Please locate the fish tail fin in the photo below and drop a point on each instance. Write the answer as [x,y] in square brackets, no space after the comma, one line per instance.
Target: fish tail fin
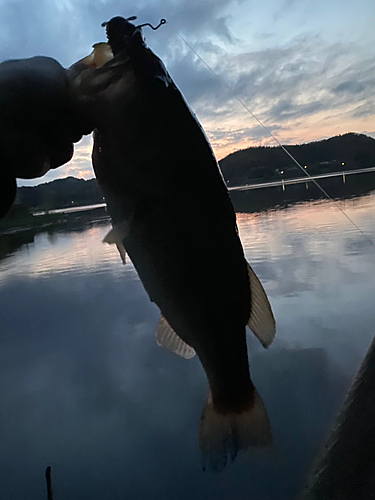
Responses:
[222,435]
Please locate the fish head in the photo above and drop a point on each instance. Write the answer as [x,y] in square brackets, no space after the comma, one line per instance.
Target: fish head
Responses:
[122,34]
[107,76]
[101,77]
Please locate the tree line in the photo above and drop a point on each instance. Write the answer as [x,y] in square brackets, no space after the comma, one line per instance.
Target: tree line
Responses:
[256,164]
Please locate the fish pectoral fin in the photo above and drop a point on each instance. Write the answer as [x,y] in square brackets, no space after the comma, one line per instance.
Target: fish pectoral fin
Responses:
[113,238]
[168,338]
[261,321]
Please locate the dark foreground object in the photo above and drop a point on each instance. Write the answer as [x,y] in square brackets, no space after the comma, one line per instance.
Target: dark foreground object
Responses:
[40,120]
[346,468]
[48,481]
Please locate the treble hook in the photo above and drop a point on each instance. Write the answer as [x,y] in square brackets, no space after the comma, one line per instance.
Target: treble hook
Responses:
[162,21]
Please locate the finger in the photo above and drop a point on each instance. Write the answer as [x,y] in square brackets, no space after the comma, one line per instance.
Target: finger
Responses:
[26,155]
[39,117]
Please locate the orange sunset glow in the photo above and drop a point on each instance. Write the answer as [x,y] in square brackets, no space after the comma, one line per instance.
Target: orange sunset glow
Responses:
[305,76]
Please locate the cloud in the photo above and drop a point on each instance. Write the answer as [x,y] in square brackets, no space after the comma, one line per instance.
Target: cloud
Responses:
[61,29]
[226,141]
[351,87]
[80,166]
[290,88]
[301,84]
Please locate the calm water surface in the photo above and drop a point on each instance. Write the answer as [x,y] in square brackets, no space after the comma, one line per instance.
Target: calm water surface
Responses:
[85,388]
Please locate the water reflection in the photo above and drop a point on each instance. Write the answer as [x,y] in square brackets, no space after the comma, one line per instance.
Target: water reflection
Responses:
[73,253]
[85,388]
[9,243]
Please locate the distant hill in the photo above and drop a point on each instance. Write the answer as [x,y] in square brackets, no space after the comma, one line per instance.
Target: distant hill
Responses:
[262,164]
[61,193]
[250,165]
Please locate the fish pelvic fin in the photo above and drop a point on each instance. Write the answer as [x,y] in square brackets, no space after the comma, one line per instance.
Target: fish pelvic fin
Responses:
[166,337]
[261,321]
[222,435]
[113,238]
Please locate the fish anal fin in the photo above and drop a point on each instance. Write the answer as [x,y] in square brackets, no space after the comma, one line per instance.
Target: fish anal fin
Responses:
[166,337]
[261,321]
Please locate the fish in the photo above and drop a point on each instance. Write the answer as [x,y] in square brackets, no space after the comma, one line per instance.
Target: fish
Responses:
[172,214]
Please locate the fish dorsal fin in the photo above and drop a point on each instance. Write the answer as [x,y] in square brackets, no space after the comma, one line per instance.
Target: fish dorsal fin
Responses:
[261,321]
[113,238]
[168,338]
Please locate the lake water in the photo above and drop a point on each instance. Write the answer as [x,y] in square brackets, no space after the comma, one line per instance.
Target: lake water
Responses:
[85,388]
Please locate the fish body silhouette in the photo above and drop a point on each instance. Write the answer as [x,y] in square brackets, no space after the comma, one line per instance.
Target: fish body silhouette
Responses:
[172,214]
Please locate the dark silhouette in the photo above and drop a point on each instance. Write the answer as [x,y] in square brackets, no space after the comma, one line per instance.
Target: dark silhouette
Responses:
[48,481]
[345,469]
[40,119]
[172,213]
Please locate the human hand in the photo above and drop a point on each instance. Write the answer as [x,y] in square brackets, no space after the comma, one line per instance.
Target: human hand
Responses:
[40,120]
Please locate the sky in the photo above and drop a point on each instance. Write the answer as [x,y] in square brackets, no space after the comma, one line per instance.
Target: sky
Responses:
[306,69]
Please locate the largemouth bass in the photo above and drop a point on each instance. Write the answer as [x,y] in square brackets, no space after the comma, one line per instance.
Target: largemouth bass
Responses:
[172,214]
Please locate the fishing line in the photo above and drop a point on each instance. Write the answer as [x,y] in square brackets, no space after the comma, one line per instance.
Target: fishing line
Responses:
[281,146]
